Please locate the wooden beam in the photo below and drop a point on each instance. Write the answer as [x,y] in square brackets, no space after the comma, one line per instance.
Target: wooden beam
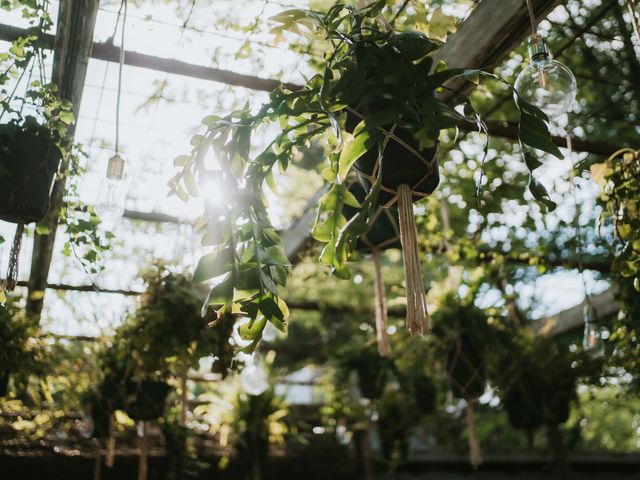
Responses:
[76,22]
[492,31]
[605,304]
[111,53]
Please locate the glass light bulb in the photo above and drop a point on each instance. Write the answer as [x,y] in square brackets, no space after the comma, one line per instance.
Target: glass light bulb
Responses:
[112,193]
[592,339]
[253,380]
[546,83]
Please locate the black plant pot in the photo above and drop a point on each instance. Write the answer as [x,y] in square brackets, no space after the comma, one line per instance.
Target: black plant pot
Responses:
[399,164]
[145,400]
[29,160]
[426,395]
[524,404]
[4,383]
[372,372]
[558,396]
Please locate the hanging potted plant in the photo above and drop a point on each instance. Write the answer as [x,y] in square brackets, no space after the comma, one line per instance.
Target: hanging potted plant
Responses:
[34,133]
[371,369]
[464,336]
[376,106]
[537,381]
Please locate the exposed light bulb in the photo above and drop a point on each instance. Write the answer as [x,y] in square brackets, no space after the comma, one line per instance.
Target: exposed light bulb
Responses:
[546,83]
[112,194]
[592,340]
[253,379]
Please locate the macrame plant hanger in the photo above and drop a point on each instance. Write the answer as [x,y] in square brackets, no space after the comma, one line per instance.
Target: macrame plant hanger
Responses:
[475,453]
[376,250]
[417,319]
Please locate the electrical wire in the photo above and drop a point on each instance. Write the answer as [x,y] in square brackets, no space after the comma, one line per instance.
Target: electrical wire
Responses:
[120,69]
[532,17]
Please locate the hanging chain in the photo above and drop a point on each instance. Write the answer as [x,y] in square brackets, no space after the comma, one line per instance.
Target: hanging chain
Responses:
[120,68]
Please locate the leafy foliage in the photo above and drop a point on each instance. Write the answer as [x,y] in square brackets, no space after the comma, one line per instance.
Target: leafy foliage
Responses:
[381,78]
[22,351]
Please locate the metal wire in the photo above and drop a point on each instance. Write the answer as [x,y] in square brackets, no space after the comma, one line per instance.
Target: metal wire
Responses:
[532,17]
[120,69]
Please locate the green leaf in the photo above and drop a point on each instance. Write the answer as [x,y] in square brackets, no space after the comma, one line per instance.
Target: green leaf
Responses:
[252,330]
[531,160]
[67,117]
[540,193]
[534,133]
[360,143]
[213,265]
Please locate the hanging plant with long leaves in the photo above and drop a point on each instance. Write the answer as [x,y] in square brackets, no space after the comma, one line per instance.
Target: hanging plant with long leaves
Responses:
[377,107]
[37,146]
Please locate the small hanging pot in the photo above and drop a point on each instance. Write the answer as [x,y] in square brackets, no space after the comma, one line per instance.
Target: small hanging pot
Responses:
[466,372]
[426,394]
[29,160]
[145,399]
[524,403]
[407,173]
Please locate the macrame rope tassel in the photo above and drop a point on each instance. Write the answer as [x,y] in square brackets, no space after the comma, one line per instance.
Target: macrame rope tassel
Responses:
[417,315]
[384,348]
[9,283]
[475,455]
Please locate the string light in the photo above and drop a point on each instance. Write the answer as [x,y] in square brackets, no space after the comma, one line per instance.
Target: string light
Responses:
[112,193]
[545,82]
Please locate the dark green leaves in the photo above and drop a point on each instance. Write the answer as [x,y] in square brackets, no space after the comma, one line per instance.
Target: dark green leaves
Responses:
[533,130]
[540,193]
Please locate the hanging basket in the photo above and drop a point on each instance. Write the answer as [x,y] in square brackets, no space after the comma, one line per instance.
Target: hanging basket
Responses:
[29,160]
[466,373]
[557,402]
[524,403]
[402,161]
[145,399]
[372,371]
[426,395]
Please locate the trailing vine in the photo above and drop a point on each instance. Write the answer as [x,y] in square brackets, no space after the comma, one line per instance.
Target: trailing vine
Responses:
[393,73]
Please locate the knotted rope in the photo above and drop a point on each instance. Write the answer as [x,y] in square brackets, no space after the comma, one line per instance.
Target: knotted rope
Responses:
[384,348]
[417,316]
[475,455]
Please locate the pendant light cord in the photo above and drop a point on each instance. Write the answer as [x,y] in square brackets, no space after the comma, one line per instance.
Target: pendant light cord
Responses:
[532,17]
[577,227]
[123,5]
